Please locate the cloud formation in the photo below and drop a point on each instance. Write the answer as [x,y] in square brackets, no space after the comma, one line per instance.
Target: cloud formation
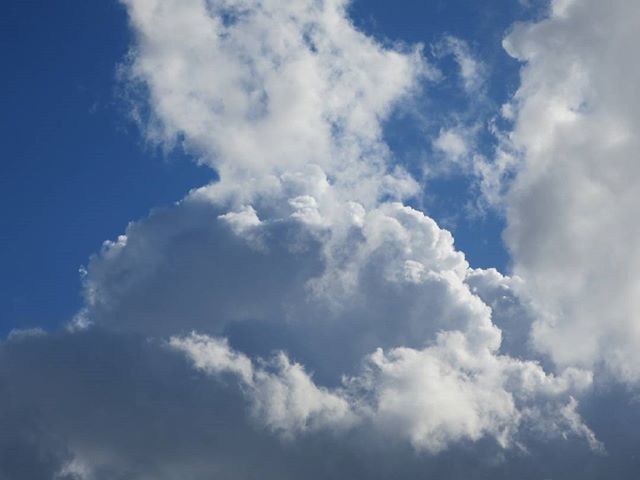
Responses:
[298,318]
[261,89]
[572,208]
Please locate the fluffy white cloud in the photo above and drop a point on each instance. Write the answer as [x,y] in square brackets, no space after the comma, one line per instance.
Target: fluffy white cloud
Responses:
[265,88]
[572,210]
[287,101]
[450,391]
[452,143]
[384,285]
[431,397]
[388,342]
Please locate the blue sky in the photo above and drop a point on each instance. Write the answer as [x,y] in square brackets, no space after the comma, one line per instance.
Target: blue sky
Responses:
[319,239]
[74,170]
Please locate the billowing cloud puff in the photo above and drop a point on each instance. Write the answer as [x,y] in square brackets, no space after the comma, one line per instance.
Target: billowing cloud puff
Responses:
[392,300]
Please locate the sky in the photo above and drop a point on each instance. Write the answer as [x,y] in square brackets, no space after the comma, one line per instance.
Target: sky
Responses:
[319,239]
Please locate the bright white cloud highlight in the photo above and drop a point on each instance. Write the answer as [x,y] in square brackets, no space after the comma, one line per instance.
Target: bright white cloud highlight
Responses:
[430,397]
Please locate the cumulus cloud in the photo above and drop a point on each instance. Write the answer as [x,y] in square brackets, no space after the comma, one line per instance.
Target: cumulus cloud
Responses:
[431,397]
[296,319]
[571,210]
[305,255]
[387,288]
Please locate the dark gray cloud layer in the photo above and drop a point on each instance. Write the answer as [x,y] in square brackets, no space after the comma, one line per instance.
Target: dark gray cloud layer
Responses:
[137,410]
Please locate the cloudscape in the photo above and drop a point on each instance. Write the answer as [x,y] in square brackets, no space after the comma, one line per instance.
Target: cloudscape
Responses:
[371,240]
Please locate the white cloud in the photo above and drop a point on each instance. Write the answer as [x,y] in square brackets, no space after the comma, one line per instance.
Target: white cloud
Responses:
[432,397]
[305,247]
[452,144]
[286,400]
[471,70]
[287,102]
[572,208]
[273,89]
[390,282]
[451,391]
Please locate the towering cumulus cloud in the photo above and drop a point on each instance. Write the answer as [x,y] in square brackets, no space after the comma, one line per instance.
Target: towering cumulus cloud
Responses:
[574,206]
[297,318]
